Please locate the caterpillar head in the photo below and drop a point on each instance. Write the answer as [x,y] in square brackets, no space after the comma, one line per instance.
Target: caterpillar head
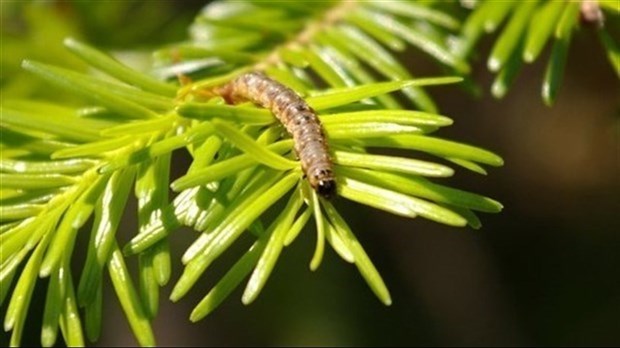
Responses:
[323,182]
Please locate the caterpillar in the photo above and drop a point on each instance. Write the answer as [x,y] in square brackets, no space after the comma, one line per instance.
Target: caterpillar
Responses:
[299,119]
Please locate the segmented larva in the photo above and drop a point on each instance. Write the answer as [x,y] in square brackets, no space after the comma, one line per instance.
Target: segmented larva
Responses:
[300,120]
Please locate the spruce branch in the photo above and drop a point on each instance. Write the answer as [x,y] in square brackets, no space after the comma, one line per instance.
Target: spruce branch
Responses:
[63,165]
[530,25]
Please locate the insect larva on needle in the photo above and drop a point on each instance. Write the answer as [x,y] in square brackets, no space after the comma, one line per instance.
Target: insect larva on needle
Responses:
[300,120]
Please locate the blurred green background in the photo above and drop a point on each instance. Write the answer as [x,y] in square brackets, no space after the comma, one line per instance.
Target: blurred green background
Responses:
[545,271]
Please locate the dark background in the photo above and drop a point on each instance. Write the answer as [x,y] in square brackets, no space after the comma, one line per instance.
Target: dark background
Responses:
[545,271]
